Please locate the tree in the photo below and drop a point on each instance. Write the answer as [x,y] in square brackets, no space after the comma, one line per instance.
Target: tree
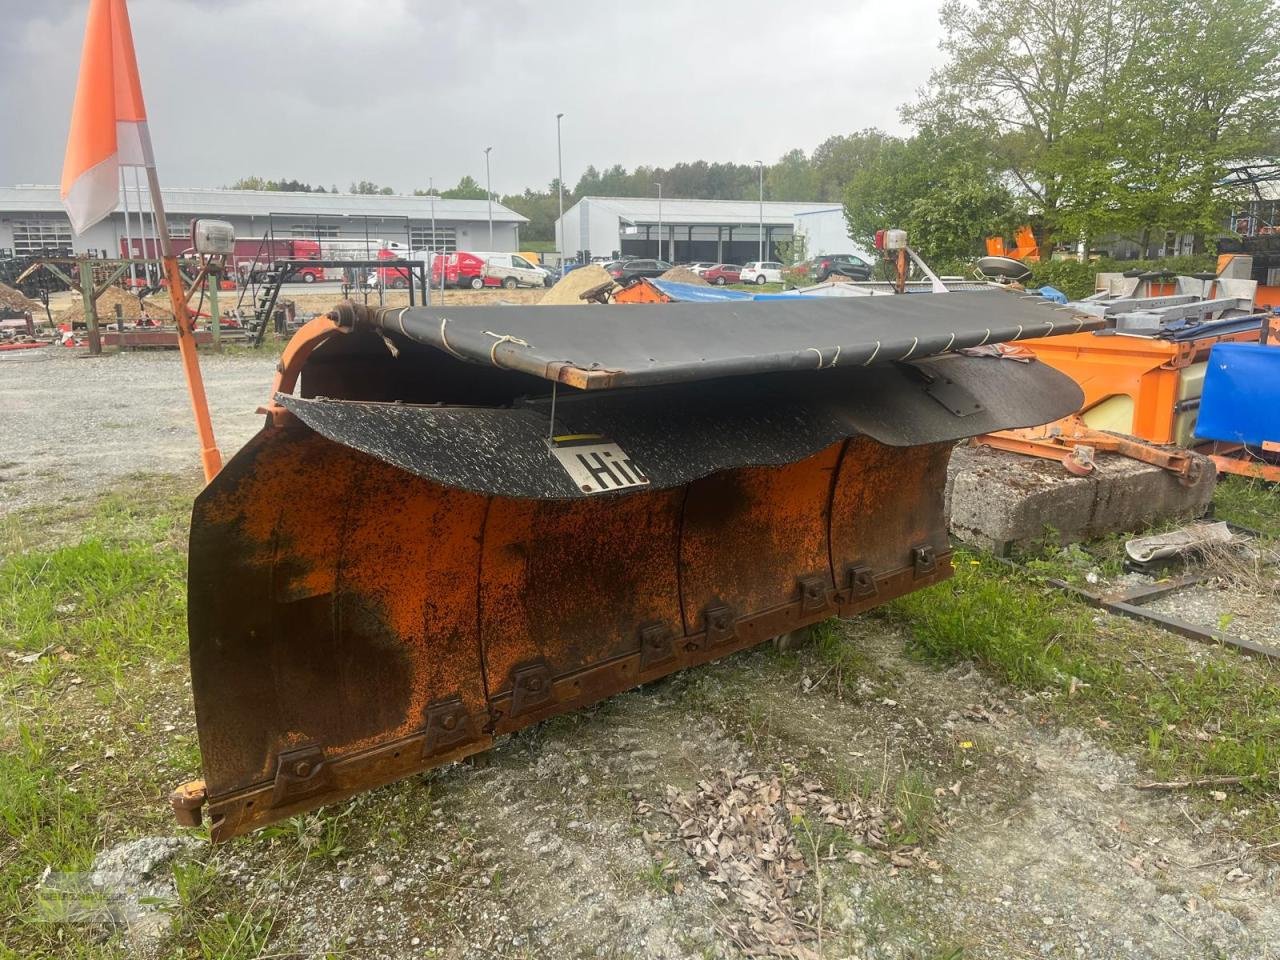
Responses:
[368,187]
[838,159]
[1032,76]
[467,189]
[541,207]
[258,183]
[792,177]
[1199,94]
[938,185]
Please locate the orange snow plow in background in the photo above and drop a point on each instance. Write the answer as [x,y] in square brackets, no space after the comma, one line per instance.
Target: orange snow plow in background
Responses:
[466,522]
[1024,248]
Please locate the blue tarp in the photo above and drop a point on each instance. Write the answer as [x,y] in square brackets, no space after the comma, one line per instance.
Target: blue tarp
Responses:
[1241,394]
[1192,329]
[698,293]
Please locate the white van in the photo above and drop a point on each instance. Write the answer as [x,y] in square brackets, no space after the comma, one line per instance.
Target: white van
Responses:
[513,270]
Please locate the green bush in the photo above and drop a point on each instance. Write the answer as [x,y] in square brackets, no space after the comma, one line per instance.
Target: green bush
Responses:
[1075,279]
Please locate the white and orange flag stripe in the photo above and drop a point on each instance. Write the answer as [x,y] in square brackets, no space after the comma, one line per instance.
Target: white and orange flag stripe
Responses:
[109,119]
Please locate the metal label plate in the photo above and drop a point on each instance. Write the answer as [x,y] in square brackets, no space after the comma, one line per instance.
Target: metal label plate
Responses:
[597,466]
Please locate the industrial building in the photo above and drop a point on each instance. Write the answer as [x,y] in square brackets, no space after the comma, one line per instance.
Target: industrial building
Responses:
[32,220]
[726,231]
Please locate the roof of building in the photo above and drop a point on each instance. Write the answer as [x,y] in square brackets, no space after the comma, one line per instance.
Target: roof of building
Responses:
[677,210]
[214,201]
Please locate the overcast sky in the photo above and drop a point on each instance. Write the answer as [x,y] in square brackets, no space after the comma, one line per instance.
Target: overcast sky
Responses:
[331,91]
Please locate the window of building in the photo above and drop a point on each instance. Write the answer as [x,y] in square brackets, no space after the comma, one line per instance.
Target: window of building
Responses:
[41,235]
[180,229]
[444,241]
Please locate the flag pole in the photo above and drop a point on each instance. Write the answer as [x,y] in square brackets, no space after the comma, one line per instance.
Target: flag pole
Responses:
[210,456]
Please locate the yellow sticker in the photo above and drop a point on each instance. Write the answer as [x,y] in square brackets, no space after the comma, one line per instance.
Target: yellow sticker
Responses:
[966,744]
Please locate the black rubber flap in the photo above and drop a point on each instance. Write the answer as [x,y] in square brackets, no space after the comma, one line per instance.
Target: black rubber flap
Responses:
[680,433]
[648,344]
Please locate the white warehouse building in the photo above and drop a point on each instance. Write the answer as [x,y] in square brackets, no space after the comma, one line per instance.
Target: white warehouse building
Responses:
[723,231]
[32,220]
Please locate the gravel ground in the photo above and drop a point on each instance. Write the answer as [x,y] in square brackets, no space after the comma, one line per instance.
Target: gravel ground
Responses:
[558,845]
[553,848]
[1235,610]
[73,423]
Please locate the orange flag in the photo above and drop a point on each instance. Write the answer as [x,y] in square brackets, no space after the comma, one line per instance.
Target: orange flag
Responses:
[109,119]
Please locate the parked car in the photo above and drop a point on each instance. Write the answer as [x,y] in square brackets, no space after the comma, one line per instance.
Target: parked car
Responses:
[464,270]
[512,270]
[700,266]
[722,273]
[626,271]
[823,268]
[762,271]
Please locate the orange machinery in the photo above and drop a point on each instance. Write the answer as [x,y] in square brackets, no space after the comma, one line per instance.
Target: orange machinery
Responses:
[1024,246]
[1140,387]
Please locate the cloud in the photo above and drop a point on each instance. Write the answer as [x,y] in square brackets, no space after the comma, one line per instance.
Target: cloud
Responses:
[398,92]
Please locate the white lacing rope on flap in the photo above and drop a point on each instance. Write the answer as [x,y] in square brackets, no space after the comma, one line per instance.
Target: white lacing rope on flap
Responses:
[444,341]
[915,342]
[498,340]
[867,362]
[821,363]
[400,319]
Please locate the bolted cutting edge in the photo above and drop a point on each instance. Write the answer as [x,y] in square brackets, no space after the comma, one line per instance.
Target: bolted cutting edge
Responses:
[187,801]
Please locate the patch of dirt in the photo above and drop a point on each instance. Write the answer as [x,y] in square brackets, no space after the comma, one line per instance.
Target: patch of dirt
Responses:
[131,307]
[17,300]
[1035,844]
[569,289]
[309,304]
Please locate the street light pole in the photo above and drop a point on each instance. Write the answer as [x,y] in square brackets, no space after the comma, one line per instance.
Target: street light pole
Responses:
[488,193]
[659,186]
[560,191]
[760,164]
[431,255]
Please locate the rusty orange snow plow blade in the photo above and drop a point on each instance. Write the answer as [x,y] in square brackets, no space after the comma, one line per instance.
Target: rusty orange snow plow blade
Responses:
[467,522]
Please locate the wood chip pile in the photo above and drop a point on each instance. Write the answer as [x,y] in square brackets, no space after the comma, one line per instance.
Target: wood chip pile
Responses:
[684,275]
[569,289]
[741,831]
[16,300]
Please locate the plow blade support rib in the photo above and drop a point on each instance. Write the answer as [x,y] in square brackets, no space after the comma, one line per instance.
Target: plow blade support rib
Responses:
[399,567]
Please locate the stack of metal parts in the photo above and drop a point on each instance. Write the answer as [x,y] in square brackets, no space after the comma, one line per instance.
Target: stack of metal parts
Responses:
[1201,306]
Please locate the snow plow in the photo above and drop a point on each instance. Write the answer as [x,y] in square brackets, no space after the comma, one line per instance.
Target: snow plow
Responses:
[467,522]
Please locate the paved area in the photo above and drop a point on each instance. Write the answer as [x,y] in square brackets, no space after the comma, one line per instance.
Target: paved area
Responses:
[71,424]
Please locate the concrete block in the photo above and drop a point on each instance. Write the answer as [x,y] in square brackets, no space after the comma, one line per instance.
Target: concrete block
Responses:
[998,500]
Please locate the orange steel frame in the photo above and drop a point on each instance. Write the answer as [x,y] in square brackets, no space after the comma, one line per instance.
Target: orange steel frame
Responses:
[1146,371]
[1074,444]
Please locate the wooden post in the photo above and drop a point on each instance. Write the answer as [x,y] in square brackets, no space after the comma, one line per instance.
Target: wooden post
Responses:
[90,307]
[120,327]
[212,279]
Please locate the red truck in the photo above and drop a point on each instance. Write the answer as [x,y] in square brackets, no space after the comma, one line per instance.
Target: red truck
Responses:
[267,252]
[242,261]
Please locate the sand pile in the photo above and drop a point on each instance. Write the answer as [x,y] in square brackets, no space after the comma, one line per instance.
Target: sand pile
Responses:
[107,300]
[683,275]
[16,300]
[573,284]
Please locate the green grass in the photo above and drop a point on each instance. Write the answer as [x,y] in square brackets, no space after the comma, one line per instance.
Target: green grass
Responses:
[1250,503]
[1194,711]
[93,594]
